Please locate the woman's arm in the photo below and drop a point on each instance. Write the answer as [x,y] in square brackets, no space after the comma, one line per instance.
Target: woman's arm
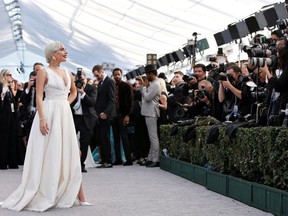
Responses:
[40,83]
[163,100]
[41,80]
[73,91]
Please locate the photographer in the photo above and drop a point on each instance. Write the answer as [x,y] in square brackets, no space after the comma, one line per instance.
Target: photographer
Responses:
[234,94]
[279,84]
[198,75]
[203,101]
[84,113]
[28,108]
[178,94]
[259,91]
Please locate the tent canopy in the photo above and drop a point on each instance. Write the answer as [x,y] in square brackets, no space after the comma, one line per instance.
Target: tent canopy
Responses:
[116,32]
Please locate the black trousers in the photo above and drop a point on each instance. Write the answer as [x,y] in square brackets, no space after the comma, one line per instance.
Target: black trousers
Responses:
[8,146]
[85,136]
[120,133]
[103,137]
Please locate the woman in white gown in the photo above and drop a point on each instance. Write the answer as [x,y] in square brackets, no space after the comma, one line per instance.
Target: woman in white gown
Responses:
[52,171]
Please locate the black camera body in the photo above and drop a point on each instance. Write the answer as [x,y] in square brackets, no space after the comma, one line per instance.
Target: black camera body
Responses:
[190,77]
[78,79]
[180,111]
[202,93]
[221,76]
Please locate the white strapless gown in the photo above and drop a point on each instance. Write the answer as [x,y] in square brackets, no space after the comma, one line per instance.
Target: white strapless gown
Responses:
[52,171]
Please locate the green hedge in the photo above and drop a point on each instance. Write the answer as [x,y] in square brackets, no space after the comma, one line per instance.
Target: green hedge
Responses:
[258,154]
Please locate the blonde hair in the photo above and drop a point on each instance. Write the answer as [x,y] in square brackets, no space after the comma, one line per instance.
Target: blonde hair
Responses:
[2,76]
[162,85]
[208,85]
[50,48]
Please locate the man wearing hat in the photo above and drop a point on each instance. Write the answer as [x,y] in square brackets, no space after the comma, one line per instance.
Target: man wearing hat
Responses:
[150,110]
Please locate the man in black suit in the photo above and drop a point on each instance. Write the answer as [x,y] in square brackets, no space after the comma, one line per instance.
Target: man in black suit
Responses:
[28,101]
[84,113]
[123,109]
[104,106]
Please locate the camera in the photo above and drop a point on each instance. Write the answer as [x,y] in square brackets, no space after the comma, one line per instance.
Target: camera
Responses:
[260,62]
[189,78]
[213,59]
[201,93]
[282,24]
[180,111]
[78,79]
[263,51]
[221,76]
[260,94]
[260,50]
[242,78]
[262,47]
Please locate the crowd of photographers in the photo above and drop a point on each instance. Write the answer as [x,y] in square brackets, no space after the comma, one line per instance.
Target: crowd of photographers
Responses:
[254,90]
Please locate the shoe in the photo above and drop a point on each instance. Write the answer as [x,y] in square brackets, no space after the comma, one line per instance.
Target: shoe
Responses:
[3,167]
[117,163]
[140,160]
[13,167]
[84,203]
[145,163]
[83,170]
[153,164]
[128,163]
[105,165]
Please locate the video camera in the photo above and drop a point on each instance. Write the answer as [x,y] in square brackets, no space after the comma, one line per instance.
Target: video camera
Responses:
[78,79]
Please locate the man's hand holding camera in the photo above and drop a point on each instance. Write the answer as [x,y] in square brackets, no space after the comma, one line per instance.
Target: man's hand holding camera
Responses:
[192,80]
[31,84]
[226,83]
[81,90]
[202,97]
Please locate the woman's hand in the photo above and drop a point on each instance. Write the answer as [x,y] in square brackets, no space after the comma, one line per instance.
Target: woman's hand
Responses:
[43,127]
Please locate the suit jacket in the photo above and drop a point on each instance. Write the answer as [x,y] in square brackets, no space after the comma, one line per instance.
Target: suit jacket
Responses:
[25,99]
[105,97]
[88,103]
[151,95]
[125,97]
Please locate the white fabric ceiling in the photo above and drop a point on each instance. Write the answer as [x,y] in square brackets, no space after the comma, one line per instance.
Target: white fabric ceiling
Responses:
[120,32]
